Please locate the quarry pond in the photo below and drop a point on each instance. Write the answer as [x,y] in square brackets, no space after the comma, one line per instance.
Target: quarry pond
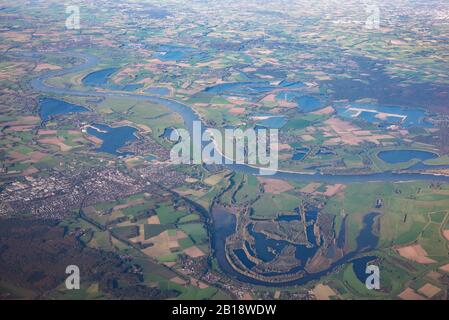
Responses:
[224,226]
[112,138]
[49,107]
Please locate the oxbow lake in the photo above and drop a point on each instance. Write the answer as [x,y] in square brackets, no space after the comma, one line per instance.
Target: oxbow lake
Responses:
[113,138]
[400,156]
[101,78]
[49,107]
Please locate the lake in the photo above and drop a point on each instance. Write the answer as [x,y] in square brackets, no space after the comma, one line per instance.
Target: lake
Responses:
[309,103]
[299,156]
[295,217]
[167,133]
[400,156]
[49,107]
[406,117]
[359,267]
[98,78]
[311,215]
[366,238]
[240,253]
[300,153]
[256,88]
[305,103]
[275,122]
[266,248]
[224,225]
[169,52]
[39,84]
[227,223]
[113,138]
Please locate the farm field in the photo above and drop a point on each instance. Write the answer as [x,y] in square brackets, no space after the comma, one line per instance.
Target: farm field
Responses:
[134,137]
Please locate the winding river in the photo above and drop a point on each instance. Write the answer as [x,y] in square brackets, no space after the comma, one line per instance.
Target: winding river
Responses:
[189,116]
[224,226]
[224,222]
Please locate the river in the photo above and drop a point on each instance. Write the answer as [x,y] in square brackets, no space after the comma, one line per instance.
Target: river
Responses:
[189,116]
[224,222]
[225,225]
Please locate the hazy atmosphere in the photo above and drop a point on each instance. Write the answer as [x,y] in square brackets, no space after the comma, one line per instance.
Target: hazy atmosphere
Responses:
[224,150]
